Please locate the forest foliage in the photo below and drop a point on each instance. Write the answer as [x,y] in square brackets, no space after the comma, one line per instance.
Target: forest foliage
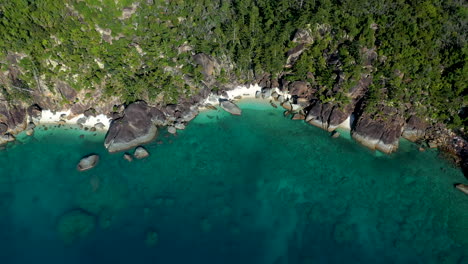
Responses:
[421,46]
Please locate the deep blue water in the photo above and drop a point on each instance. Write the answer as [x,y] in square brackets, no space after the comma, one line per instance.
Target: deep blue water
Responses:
[257,188]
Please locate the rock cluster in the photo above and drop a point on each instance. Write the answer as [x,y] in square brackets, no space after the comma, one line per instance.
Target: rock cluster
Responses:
[134,128]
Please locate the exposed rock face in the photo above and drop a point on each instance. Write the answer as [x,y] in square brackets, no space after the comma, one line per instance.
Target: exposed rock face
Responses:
[78,108]
[14,117]
[326,116]
[294,54]
[230,107]
[382,135]
[133,129]
[300,89]
[3,128]
[208,64]
[88,163]
[35,113]
[157,116]
[90,112]
[66,91]
[414,129]
[303,36]
[140,153]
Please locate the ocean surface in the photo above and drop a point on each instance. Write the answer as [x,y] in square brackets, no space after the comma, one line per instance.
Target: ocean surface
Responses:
[257,188]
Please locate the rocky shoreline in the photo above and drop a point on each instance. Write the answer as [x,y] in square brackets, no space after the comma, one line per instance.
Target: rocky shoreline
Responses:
[137,123]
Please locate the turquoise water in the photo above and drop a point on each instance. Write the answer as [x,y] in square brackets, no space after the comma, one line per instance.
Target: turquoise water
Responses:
[257,188]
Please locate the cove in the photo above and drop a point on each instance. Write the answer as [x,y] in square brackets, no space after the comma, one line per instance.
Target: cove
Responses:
[257,188]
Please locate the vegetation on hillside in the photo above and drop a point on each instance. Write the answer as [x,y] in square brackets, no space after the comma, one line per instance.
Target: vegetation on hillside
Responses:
[130,47]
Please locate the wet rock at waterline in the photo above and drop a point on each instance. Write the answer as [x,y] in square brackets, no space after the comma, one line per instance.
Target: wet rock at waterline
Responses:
[133,129]
[140,153]
[462,187]
[88,162]
[230,107]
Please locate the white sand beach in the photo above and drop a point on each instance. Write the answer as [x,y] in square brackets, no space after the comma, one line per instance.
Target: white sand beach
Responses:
[48,117]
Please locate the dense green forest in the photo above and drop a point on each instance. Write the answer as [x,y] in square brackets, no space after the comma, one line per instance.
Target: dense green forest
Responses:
[132,48]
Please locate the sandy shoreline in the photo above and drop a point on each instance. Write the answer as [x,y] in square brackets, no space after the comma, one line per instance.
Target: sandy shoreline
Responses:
[248,92]
[238,94]
[48,117]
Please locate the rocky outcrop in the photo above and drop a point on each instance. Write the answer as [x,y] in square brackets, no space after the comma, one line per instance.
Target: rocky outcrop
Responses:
[414,129]
[134,128]
[326,116]
[14,117]
[3,128]
[88,163]
[208,64]
[301,89]
[230,107]
[378,134]
[90,112]
[140,153]
[66,91]
[303,36]
[294,54]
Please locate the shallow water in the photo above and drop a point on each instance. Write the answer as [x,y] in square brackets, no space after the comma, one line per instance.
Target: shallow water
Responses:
[256,188]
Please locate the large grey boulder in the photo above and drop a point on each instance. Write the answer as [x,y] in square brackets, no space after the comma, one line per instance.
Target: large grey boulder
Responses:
[208,64]
[230,107]
[377,133]
[66,90]
[88,163]
[134,128]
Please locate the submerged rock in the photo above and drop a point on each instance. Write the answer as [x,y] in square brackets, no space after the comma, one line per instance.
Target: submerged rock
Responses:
[230,107]
[128,157]
[88,162]
[134,128]
[152,238]
[140,153]
[75,225]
